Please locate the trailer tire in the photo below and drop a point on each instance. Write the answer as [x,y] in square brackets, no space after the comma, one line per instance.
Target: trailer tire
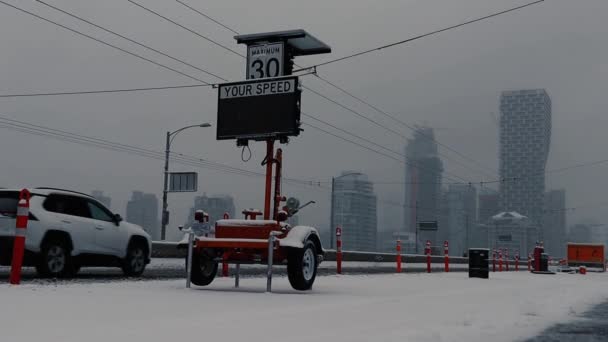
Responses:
[203,269]
[302,266]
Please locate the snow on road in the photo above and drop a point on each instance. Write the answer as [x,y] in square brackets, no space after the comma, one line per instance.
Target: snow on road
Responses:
[406,307]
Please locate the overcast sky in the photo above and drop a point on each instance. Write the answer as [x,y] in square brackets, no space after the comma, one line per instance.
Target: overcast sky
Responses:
[451,81]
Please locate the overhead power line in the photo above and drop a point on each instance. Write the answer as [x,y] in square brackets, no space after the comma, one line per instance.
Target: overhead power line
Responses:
[375,108]
[121,36]
[186,28]
[130,40]
[421,36]
[101,41]
[206,16]
[25,127]
[105,91]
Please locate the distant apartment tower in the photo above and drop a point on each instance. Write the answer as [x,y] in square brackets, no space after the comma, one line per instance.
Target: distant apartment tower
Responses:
[554,223]
[525,136]
[215,206]
[105,200]
[355,211]
[459,217]
[142,209]
[423,174]
[488,204]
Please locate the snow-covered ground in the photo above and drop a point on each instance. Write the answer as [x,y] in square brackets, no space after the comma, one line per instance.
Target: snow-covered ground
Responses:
[405,307]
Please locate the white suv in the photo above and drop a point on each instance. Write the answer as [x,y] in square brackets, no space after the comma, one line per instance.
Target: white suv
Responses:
[67,230]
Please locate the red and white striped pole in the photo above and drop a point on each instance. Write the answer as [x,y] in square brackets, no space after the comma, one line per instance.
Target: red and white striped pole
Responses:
[427,251]
[398,255]
[225,269]
[23,212]
[339,250]
[446,256]
[500,260]
[507,259]
[494,260]
[517,261]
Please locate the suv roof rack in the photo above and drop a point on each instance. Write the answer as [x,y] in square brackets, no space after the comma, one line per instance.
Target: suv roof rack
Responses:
[66,190]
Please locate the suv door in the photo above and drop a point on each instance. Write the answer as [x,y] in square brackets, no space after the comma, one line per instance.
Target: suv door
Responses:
[73,216]
[110,237]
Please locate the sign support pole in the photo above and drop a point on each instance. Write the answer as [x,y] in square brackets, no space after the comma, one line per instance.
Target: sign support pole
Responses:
[269,161]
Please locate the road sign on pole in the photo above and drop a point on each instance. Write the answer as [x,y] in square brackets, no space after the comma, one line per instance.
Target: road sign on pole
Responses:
[183,182]
[265,60]
[427,225]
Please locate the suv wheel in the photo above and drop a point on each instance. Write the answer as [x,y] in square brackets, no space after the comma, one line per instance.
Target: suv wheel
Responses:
[55,259]
[135,261]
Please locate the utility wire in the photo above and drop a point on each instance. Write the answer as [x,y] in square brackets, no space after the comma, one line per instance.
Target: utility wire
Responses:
[421,36]
[412,128]
[375,108]
[185,28]
[105,91]
[23,126]
[406,162]
[89,22]
[130,40]
[206,16]
[102,42]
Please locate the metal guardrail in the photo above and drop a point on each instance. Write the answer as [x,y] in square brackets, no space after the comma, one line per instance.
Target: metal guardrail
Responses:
[161,249]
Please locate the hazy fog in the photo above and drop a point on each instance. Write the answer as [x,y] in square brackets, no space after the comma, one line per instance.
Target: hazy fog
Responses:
[451,81]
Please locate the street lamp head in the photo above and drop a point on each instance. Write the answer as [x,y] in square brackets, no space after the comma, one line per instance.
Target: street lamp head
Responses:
[206,124]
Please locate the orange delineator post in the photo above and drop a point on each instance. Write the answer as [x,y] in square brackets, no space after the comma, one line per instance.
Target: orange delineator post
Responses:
[507,259]
[499,260]
[427,250]
[23,211]
[446,256]
[338,250]
[398,255]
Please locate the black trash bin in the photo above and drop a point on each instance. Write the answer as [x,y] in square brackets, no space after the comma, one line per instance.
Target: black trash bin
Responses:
[479,266]
[544,262]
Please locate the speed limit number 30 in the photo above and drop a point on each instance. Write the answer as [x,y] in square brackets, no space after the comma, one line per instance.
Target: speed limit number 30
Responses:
[265,60]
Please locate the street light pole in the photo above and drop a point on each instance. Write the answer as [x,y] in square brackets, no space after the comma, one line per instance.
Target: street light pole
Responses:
[331,219]
[169,140]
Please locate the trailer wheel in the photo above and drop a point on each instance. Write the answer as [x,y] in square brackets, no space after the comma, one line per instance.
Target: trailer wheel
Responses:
[302,266]
[203,269]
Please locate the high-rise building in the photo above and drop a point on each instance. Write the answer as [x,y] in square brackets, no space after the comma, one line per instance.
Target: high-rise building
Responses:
[354,210]
[142,210]
[215,206]
[423,174]
[459,217]
[525,135]
[554,223]
[105,200]
[488,204]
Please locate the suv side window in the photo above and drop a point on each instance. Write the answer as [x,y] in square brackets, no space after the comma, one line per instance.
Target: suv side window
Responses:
[68,205]
[99,213]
